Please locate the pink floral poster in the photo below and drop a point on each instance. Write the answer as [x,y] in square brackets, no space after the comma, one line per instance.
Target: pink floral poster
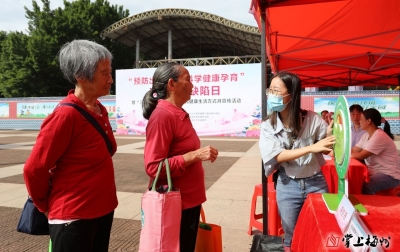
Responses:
[225,100]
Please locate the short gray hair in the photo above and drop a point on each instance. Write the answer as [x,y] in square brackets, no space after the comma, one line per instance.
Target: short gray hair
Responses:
[79,59]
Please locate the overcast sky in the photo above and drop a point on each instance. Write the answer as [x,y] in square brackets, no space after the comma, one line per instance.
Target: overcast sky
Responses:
[12,12]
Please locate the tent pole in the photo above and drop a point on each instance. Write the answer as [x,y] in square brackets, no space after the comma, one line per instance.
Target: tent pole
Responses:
[349,77]
[264,112]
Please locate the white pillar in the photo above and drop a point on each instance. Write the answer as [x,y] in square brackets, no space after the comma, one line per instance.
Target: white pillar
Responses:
[355,88]
[169,45]
[137,53]
[311,89]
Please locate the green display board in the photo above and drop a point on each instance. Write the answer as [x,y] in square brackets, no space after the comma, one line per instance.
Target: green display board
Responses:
[342,147]
[342,153]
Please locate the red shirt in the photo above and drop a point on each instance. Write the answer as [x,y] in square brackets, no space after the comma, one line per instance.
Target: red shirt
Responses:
[170,134]
[82,172]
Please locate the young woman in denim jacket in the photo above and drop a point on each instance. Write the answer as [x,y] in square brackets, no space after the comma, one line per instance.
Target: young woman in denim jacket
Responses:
[292,142]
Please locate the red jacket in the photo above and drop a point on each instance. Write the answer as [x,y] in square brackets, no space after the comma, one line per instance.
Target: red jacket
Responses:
[170,134]
[70,172]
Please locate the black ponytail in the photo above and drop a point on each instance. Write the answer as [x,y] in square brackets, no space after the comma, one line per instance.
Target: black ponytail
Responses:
[158,91]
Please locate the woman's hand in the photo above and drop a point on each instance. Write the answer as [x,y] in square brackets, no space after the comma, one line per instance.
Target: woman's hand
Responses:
[324,145]
[202,154]
[207,153]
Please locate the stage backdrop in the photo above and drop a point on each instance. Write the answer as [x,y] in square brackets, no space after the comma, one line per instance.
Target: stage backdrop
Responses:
[387,106]
[225,100]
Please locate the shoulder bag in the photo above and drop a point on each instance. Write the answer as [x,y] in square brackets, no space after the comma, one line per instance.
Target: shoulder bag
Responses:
[34,222]
[161,216]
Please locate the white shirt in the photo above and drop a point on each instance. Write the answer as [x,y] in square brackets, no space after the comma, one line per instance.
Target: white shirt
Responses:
[274,141]
[356,135]
[385,158]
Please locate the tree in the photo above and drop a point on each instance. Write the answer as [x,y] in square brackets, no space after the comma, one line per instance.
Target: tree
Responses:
[48,31]
[15,68]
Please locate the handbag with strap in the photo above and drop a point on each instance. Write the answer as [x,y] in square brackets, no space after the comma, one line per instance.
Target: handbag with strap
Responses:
[32,221]
[93,121]
[161,216]
[209,236]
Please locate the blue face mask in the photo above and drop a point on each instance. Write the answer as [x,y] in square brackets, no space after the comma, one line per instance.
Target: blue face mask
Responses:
[275,103]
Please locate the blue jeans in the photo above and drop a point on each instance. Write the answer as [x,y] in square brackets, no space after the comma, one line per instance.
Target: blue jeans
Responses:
[291,195]
[379,182]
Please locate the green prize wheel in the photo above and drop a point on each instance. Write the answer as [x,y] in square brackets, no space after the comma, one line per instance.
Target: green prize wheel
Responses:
[342,133]
[342,151]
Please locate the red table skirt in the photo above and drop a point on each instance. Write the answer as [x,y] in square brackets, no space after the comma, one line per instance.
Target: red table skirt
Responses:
[316,226]
[356,174]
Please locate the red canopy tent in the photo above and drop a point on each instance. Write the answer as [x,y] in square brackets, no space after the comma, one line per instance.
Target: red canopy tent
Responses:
[329,43]
[333,43]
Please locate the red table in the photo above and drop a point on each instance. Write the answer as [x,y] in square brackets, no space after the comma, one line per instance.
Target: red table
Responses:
[357,174]
[315,225]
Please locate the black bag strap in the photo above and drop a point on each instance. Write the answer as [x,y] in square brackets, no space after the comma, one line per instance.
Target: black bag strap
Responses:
[93,121]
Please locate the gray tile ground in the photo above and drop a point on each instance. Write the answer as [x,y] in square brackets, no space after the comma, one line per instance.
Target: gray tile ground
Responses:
[130,177]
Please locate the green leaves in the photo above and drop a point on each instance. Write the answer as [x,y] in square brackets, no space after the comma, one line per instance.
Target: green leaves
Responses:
[29,63]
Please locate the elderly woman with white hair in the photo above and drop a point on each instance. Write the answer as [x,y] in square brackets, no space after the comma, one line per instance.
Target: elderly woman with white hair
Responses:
[70,173]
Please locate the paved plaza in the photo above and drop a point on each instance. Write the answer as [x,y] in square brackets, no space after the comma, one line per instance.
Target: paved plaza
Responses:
[229,182]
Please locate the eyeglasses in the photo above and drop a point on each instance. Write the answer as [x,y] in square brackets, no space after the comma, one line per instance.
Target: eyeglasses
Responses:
[269,91]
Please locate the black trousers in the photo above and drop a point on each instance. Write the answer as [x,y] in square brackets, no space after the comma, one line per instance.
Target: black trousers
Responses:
[189,226]
[82,235]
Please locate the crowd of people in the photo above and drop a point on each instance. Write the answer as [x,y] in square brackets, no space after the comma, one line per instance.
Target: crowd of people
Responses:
[293,141]
[70,173]
[373,145]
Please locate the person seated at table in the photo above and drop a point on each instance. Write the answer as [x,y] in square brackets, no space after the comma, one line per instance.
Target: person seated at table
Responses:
[379,152]
[386,128]
[329,118]
[356,131]
[324,113]
[292,142]
[326,116]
